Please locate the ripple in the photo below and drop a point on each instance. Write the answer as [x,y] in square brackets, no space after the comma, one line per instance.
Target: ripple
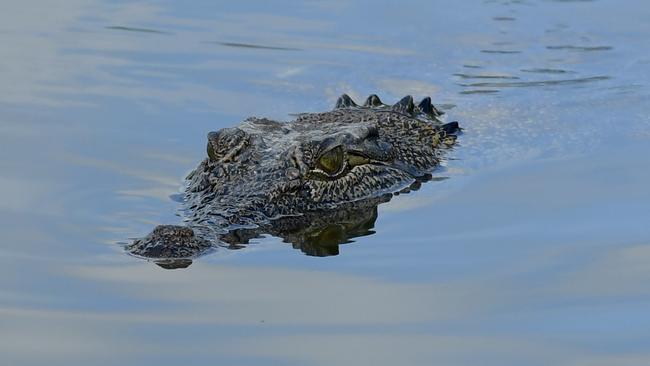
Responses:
[626,89]
[255,46]
[479,91]
[469,76]
[133,29]
[446,106]
[504,19]
[547,71]
[516,84]
[580,48]
[500,51]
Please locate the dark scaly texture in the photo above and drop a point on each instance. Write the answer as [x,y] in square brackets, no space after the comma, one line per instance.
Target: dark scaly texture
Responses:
[298,178]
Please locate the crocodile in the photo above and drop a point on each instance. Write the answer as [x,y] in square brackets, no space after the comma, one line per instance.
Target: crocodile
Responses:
[315,181]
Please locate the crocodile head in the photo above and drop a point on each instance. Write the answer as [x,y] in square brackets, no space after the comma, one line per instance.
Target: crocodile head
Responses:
[264,170]
[317,161]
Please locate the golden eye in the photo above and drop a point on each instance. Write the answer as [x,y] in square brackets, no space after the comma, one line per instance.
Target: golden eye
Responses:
[331,162]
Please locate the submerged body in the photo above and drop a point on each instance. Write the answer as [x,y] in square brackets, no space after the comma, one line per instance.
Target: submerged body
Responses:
[280,178]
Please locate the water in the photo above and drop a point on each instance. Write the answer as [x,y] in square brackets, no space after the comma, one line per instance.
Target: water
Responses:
[534,251]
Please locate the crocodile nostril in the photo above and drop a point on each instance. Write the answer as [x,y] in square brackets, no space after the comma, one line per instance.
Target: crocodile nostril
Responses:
[173,231]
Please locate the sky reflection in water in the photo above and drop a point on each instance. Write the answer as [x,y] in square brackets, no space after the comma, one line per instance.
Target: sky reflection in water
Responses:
[536,250]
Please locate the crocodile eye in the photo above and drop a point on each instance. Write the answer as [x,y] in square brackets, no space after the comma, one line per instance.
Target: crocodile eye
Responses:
[331,162]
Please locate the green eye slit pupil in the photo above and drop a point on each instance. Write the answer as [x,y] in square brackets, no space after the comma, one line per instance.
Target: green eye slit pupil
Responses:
[331,162]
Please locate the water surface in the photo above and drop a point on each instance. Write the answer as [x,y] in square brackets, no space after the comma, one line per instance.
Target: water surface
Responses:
[534,251]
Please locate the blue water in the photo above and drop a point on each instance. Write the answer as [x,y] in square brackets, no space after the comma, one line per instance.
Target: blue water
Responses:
[534,251]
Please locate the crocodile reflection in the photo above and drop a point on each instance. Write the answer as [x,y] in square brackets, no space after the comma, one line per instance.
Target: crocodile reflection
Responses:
[314,234]
[315,182]
[317,235]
